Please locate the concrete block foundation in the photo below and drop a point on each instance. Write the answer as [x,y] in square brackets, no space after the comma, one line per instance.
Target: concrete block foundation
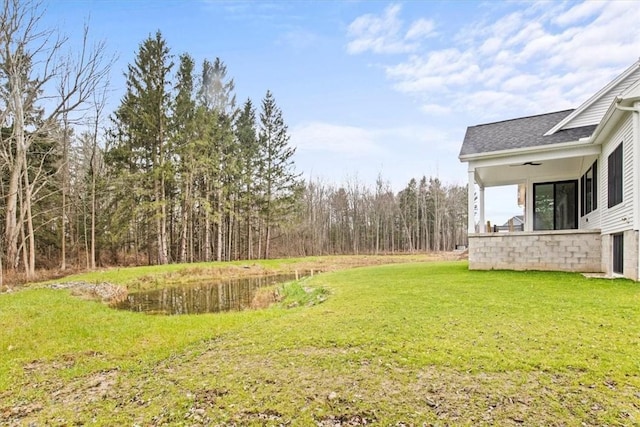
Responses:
[559,250]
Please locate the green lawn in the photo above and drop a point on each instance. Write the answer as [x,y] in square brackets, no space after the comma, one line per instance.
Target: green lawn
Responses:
[392,345]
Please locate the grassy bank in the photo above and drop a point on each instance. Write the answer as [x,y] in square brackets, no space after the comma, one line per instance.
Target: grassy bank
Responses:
[392,345]
[148,277]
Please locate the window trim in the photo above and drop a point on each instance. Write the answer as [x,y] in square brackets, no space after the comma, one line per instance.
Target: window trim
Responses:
[592,195]
[615,178]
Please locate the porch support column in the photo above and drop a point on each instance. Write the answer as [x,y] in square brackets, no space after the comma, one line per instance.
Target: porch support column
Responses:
[483,223]
[471,190]
[528,206]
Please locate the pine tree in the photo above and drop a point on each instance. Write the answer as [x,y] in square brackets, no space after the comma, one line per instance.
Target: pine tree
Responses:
[183,135]
[216,109]
[142,121]
[279,184]
[247,139]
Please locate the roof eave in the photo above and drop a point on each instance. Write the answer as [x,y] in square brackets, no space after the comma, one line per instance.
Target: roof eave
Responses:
[524,151]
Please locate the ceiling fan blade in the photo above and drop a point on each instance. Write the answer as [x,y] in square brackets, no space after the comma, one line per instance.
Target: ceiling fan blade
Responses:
[527,164]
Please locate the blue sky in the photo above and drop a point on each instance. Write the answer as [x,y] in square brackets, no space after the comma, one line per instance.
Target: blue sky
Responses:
[373,87]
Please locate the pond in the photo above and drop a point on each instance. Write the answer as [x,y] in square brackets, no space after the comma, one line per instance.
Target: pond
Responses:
[201,297]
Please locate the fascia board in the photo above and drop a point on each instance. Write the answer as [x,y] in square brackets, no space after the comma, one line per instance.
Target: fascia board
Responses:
[605,123]
[632,92]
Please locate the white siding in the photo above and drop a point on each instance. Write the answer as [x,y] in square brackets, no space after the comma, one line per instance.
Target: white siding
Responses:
[594,113]
[591,221]
[619,217]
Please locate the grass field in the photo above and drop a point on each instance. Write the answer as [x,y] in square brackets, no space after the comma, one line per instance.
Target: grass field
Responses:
[409,344]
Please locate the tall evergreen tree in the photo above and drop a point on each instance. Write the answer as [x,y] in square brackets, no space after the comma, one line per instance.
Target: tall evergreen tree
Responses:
[183,133]
[216,108]
[142,120]
[279,183]
[247,139]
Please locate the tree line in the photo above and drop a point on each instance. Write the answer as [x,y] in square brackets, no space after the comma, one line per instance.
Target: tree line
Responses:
[355,218]
[178,172]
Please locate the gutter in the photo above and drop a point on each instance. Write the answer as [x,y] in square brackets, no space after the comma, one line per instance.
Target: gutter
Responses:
[632,109]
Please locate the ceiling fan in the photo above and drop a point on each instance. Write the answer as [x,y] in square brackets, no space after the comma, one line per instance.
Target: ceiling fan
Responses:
[528,164]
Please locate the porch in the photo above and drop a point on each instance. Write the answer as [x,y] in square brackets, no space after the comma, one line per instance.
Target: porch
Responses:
[552,250]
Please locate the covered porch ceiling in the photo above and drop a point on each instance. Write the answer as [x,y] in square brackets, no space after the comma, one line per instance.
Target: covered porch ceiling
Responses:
[542,166]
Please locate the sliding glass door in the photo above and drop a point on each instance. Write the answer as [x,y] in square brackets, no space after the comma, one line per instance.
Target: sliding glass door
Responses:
[555,205]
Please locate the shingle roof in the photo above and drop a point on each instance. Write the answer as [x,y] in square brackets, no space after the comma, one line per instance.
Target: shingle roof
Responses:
[523,132]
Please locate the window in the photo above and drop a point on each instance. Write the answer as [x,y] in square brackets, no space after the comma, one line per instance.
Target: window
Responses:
[555,205]
[615,176]
[588,191]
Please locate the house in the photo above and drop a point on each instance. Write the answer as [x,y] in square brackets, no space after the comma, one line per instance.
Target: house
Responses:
[580,171]
[516,221]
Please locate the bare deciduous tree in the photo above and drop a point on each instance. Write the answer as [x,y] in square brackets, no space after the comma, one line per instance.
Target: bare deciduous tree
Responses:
[32,65]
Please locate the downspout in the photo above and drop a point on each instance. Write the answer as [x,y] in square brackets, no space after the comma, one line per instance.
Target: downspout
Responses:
[635,110]
[636,154]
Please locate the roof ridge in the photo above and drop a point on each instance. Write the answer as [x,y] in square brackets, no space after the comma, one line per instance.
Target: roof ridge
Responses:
[524,117]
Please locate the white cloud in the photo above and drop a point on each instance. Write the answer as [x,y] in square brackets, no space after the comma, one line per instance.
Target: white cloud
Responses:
[327,150]
[541,57]
[522,83]
[491,45]
[385,33]
[345,140]
[361,142]
[421,28]
[380,34]
[495,105]
[435,71]
[435,109]
[579,12]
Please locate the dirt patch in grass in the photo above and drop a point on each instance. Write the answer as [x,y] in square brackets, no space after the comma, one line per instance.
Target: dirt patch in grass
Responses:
[79,393]
[105,292]
[346,420]
[84,391]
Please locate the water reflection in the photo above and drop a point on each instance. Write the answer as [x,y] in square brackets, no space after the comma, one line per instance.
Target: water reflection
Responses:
[229,295]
